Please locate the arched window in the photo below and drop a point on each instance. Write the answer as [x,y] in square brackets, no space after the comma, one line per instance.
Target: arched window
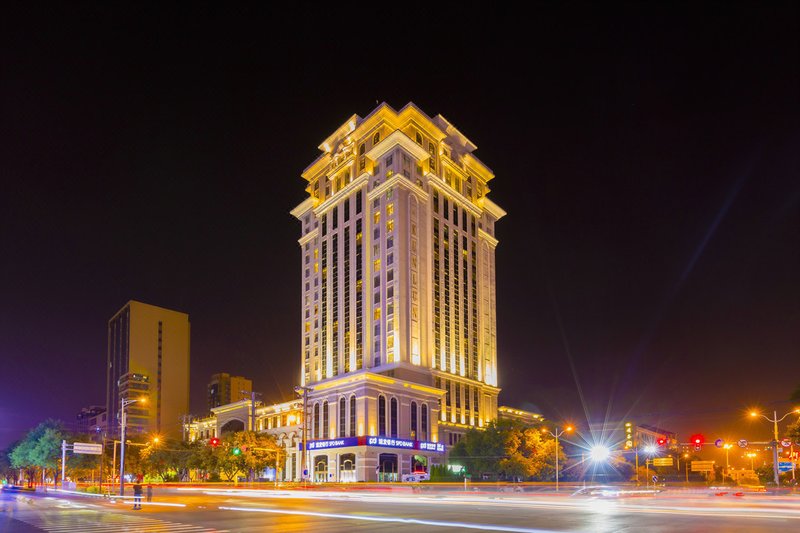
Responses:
[315,427]
[376,138]
[394,417]
[382,416]
[342,418]
[352,416]
[413,420]
[424,423]
[325,421]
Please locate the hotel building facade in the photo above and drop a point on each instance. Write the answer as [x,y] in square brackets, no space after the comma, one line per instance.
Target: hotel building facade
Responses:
[398,325]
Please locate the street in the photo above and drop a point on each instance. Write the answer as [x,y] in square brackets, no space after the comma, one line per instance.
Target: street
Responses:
[218,510]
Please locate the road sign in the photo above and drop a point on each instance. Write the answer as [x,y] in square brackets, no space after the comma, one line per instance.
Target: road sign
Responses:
[662,461]
[719,443]
[786,443]
[89,448]
[784,466]
[655,479]
[702,466]
[742,443]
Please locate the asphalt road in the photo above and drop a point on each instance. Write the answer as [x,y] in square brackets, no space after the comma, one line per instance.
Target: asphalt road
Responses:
[197,511]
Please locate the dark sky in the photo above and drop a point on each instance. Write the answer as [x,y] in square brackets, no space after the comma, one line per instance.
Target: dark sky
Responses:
[647,156]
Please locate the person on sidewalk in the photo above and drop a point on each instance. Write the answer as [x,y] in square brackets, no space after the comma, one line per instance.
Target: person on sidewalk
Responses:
[137,495]
[149,493]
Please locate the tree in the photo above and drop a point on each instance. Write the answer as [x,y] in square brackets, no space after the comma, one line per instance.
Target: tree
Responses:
[508,449]
[41,448]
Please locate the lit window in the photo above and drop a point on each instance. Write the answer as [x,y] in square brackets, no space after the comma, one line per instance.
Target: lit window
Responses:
[389,210]
[377,217]
[377,313]
[389,225]
[376,265]
[390,342]
[316,267]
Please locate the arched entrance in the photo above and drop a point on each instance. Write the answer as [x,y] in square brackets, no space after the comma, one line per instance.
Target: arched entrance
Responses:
[321,468]
[347,467]
[419,463]
[231,426]
[387,467]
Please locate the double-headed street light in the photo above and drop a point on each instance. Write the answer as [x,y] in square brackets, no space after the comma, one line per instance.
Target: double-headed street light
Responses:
[123,404]
[775,420]
[303,391]
[557,434]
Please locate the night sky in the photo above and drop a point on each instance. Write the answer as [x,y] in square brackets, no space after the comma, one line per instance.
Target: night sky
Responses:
[647,158]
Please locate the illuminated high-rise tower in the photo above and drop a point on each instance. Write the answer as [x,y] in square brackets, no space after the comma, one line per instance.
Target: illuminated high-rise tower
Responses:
[398,281]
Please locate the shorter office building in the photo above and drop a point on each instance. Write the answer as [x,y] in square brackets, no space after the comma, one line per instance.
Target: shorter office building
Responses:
[224,389]
[92,420]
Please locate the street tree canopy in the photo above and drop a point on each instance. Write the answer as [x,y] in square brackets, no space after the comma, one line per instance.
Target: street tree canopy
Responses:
[508,449]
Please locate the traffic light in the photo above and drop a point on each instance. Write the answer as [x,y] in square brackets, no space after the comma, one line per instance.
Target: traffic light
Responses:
[698,441]
[214,442]
[661,441]
[236,451]
[628,435]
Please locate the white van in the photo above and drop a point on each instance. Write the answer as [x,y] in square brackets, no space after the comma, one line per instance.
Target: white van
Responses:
[416,476]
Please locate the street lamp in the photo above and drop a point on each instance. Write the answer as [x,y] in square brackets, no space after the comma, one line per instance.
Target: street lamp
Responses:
[727,448]
[775,420]
[752,455]
[557,434]
[123,404]
[303,391]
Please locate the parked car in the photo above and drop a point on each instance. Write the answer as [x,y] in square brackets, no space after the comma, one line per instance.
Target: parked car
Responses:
[416,476]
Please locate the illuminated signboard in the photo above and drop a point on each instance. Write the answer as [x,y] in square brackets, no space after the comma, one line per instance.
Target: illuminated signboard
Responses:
[331,443]
[431,447]
[381,442]
[387,442]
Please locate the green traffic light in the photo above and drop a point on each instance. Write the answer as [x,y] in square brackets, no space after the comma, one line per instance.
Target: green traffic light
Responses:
[237,451]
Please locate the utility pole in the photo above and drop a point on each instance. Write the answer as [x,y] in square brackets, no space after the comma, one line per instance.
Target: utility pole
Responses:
[252,395]
[303,391]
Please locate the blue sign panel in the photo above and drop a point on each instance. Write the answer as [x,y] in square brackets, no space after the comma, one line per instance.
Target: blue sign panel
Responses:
[784,466]
[431,447]
[331,443]
[389,442]
[381,442]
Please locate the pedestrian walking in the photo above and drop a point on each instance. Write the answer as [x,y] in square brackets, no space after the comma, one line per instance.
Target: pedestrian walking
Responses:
[137,496]
[149,493]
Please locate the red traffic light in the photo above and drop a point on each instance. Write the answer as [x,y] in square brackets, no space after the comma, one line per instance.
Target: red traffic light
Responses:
[698,441]
[661,441]
[214,442]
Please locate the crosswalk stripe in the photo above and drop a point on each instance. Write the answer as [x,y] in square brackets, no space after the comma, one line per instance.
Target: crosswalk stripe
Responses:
[91,521]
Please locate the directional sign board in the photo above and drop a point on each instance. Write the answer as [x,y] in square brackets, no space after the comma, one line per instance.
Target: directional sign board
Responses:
[662,461]
[784,466]
[702,466]
[89,448]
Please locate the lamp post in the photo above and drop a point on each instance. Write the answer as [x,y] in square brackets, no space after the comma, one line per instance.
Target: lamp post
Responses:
[727,448]
[775,420]
[752,455]
[303,391]
[123,404]
[557,434]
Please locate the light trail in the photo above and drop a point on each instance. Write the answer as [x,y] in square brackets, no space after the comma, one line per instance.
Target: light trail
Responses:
[392,519]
